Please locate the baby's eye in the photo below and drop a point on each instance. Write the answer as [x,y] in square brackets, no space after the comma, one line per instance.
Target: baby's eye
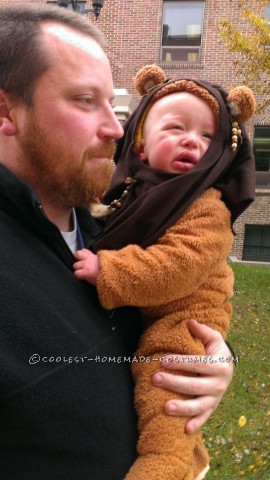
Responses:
[175,127]
[208,135]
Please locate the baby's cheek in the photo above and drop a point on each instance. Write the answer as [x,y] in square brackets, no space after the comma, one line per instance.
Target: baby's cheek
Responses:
[161,153]
[166,148]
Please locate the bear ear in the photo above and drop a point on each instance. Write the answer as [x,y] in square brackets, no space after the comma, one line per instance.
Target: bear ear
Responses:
[147,78]
[241,103]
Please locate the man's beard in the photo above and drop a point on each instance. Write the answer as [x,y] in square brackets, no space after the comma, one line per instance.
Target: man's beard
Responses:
[58,177]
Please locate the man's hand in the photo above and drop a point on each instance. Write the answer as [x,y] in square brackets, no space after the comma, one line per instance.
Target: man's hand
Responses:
[208,387]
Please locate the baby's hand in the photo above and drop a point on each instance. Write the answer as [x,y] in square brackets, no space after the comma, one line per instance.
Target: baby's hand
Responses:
[87,268]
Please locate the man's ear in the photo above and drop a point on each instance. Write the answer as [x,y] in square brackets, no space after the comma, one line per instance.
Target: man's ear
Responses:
[142,154]
[7,124]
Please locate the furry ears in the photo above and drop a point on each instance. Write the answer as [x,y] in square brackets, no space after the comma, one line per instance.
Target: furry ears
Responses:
[240,101]
[148,77]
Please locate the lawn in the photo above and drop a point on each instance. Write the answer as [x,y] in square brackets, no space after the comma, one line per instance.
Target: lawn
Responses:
[238,434]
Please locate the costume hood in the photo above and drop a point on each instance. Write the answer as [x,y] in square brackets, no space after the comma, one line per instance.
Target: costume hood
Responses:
[146,201]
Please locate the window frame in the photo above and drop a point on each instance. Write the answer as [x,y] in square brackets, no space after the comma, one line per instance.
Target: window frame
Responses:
[258,251]
[193,50]
[267,12]
[262,175]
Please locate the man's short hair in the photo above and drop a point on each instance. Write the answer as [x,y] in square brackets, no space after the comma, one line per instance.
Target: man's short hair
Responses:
[22,58]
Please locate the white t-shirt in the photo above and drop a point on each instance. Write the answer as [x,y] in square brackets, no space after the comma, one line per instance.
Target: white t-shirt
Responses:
[71,238]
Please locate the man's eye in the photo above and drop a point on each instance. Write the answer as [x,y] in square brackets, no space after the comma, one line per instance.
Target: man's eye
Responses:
[87,100]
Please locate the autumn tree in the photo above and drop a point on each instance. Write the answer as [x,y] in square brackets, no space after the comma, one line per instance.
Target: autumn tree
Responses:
[253,46]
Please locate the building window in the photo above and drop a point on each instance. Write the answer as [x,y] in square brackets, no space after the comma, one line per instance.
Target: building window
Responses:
[267,19]
[257,243]
[267,12]
[262,148]
[262,155]
[182,32]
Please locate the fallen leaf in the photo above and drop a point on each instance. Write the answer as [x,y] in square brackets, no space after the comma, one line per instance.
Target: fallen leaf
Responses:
[242,421]
[259,462]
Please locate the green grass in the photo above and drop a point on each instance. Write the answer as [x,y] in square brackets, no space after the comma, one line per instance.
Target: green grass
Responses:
[243,452]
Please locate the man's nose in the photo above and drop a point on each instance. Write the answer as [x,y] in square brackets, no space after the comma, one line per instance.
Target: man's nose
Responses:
[110,126]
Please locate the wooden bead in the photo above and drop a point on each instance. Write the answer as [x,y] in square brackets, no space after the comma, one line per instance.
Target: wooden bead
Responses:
[118,202]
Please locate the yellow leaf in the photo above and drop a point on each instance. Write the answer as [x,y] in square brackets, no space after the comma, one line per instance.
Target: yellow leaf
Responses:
[259,462]
[251,467]
[242,421]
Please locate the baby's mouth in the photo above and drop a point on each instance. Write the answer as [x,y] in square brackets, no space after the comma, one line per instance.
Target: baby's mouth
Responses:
[185,161]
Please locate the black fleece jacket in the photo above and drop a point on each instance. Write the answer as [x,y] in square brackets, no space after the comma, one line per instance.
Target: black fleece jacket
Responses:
[66,393]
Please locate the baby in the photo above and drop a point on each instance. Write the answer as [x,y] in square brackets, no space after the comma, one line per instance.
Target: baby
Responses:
[185,171]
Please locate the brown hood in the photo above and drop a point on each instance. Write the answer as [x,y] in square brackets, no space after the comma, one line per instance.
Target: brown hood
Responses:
[158,198]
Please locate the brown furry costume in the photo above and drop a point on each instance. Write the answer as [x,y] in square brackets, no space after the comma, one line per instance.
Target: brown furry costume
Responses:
[183,275]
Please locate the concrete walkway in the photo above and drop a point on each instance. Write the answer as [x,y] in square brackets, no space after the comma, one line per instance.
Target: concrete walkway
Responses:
[248,262]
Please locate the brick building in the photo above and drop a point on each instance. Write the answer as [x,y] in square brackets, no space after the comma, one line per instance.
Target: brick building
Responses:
[183,38]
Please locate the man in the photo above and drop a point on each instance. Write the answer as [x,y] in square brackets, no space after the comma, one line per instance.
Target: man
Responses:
[66,390]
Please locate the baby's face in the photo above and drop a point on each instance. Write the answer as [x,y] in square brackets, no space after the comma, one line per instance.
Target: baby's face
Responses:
[177,132]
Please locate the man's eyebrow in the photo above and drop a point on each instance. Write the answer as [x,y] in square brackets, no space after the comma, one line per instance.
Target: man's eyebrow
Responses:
[93,87]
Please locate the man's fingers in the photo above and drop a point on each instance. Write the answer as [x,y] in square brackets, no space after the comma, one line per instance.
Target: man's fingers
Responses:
[197,364]
[194,386]
[196,422]
[209,337]
[199,411]
[191,407]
